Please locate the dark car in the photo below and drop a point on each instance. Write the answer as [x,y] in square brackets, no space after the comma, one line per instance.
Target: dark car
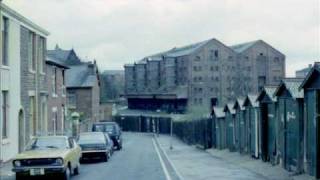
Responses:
[95,145]
[112,129]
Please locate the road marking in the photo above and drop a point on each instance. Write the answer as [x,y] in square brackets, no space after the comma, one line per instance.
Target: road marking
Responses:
[164,168]
[170,162]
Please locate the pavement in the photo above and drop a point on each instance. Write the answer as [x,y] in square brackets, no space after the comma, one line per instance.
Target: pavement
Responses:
[194,163]
[273,172]
[145,157]
[5,171]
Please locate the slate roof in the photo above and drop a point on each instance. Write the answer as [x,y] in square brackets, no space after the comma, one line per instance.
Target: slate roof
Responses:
[177,51]
[252,99]
[229,106]
[113,72]
[136,112]
[292,85]
[180,92]
[63,55]
[129,65]
[59,54]
[307,69]
[315,68]
[80,76]
[243,46]
[238,102]
[56,62]
[218,112]
[269,91]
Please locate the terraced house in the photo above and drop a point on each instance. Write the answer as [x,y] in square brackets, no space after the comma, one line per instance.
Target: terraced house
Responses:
[82,85]
[22,78]
[57,101]
[203,74]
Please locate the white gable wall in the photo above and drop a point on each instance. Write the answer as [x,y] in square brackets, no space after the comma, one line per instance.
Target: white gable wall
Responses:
[10,81]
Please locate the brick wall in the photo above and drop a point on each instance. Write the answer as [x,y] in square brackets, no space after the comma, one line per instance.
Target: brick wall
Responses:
[56,101]
[29,83]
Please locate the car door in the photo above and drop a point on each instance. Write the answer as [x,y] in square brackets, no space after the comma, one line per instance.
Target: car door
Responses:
[77,150]
[109,142]
[73,153]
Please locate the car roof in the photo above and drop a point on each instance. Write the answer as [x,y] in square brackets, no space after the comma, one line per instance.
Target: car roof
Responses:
[49,137]
[92,133]
[98,123]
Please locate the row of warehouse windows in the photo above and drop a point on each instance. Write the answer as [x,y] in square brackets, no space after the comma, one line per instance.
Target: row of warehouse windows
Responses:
[200,90]
[197,101]
[216,68]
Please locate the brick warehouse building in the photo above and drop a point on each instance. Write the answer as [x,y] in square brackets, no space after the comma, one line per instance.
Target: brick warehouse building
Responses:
[203,74]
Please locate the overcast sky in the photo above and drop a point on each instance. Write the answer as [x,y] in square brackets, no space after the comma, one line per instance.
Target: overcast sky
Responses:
[115,32]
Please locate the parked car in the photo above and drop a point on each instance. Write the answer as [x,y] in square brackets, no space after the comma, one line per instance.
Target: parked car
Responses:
[48,155]
[112,129]
[109,143]
[95,145]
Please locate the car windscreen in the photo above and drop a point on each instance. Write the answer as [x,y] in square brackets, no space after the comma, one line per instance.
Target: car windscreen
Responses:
[91,139]
[109,127]
[98,128]
[48,143]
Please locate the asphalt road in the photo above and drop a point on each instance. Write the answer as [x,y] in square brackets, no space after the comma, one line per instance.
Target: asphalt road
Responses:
[138,160]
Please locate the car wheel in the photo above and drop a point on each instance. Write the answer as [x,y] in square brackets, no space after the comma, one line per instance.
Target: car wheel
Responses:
[67,174]
[105,158]
[19,176]
[76,170]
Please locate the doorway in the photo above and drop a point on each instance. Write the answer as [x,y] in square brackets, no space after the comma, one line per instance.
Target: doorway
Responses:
[264,132]
[21,131]
[318,134]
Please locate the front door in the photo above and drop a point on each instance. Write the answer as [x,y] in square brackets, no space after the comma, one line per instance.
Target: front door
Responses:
[318,134]
[264,131]
[21,131]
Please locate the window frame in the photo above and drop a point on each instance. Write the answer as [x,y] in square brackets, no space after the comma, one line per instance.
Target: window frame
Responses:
[5,114]
[42,54]
[32,114]
[32,52]
[54,81]
[5,25]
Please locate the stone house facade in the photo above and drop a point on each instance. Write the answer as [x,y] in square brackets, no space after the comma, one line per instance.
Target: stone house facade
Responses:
[57,101]
[204,74]
[22,81]
[82,85]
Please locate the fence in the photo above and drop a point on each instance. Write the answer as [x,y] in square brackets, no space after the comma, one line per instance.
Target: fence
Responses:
[158,124]
[195,132]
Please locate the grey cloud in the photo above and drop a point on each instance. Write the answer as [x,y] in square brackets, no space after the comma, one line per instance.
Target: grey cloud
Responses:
[121,31]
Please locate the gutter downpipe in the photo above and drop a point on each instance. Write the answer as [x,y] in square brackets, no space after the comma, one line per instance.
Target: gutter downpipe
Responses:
[1,157]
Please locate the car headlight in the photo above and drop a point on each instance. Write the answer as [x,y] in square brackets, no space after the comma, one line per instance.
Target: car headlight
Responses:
[59,162]
[17,163]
